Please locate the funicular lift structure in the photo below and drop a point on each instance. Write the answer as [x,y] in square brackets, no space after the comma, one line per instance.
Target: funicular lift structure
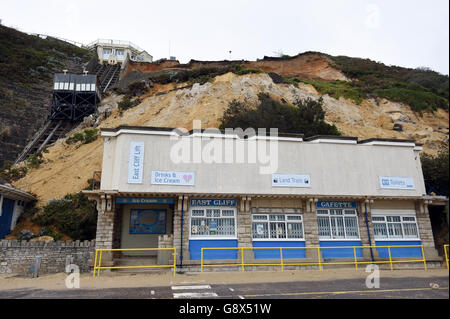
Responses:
[74,97]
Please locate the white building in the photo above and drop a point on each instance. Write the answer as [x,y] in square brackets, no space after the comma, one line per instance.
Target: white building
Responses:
[116,52]
[323,192]
[12,204]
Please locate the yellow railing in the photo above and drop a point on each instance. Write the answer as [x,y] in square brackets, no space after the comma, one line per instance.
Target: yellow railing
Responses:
[446,254]
[99,253]
[319,262]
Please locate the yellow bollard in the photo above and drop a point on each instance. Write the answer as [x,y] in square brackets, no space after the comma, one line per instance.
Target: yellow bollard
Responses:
[424,260]
[356,259]
[100,263]
[202,262]
[174,262]
[281,256]
[95,262]
[242,259]
[319,257]
[390,258]
[446,254]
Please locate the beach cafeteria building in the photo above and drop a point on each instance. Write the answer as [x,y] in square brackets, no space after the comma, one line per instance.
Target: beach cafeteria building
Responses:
[161,188]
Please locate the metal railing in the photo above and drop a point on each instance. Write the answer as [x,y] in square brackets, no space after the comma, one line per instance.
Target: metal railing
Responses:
[99,253]
[113,42]
[446,254]
[319,262]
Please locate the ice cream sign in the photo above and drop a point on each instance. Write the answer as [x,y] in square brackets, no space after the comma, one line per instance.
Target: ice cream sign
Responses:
[173,178]
[291,180]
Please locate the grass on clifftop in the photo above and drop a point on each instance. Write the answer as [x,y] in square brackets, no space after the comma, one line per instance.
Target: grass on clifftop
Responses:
[26,58]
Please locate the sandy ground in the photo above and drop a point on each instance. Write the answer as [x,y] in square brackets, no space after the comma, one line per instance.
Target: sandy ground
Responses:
[115,280]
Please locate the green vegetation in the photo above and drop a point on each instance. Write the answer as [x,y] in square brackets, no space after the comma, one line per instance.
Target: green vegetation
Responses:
[239,70]
[201,75]
[436,170]
[10,174]
[86,137]
[137,88]
[337,89]
[35,160]
[26,58]
[305,117]
[422,89]
[73,215]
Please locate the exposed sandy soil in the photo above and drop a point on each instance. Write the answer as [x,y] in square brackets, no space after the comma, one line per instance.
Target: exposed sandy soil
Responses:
[115,280]
[68,167]
[307,66]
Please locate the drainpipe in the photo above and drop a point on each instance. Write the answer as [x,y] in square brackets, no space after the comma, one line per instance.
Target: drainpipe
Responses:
[181,244]
[368,231]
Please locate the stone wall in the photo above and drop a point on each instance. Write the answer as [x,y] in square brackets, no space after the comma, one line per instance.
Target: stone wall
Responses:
[16,257]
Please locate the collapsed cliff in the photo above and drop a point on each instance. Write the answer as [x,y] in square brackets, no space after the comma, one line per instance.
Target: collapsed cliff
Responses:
[68,167]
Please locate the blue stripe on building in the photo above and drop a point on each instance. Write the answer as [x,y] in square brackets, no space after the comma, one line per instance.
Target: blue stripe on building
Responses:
[341,252]
[400,251]
[195,249]
[275,253]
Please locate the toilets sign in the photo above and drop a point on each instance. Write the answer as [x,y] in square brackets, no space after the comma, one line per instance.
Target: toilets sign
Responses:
[387,182]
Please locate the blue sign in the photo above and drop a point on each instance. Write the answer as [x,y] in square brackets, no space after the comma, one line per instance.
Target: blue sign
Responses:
[147,221]
[144,201]
[213,225]
[336,205]
[214,202]
[397,182]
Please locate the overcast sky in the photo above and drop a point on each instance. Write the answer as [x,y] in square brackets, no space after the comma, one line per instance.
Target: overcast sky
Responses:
[409,33]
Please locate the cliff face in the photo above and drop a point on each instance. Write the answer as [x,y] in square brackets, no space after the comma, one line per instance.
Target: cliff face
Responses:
[307,66]
[26,80]
[68,167]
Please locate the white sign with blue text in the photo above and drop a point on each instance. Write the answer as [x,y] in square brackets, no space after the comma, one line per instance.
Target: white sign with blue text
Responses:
[173,178]
[397,182]
[291,180]
[136,163]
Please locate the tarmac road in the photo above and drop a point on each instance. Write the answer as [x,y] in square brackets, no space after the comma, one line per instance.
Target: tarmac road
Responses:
[398,288]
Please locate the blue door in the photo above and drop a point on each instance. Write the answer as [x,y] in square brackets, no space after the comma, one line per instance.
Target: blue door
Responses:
[6,217]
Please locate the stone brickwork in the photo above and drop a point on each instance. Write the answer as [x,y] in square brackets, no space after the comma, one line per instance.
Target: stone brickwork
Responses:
[244,226]
[165,257]
[426,232]
[16,257]
[177,233]
[105,228]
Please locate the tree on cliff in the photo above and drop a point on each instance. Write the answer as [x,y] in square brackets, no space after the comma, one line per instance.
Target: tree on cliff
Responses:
[306,117]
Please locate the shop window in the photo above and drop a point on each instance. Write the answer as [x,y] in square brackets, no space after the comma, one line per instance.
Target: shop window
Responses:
[337,224]
[277,227]
[394,227]
[213,223]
